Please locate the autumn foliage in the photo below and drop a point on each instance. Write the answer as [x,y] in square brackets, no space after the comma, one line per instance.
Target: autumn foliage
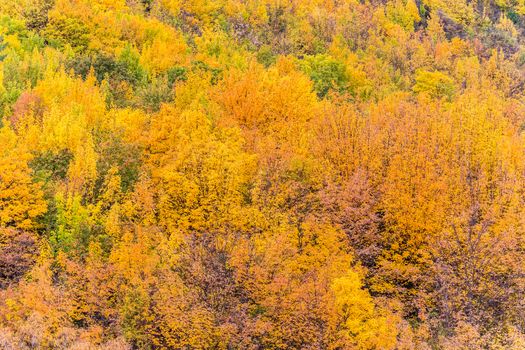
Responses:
[262,174]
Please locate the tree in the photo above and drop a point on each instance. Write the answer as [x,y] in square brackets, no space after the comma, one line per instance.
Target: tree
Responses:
[21,200]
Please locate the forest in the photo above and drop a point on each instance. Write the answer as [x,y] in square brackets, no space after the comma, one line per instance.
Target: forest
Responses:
[262,174]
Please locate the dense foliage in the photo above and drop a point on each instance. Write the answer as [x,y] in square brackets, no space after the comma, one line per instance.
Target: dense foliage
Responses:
[262,174]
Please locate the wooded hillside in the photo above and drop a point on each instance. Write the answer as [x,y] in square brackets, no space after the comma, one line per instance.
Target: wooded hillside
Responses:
[262,174]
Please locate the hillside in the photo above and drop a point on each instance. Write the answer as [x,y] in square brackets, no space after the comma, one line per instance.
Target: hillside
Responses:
[262,174]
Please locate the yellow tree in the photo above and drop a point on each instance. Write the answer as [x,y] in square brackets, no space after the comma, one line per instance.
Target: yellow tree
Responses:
[21,200]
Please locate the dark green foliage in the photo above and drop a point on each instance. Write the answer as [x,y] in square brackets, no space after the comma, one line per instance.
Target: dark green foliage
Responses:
[326,73]
[265,56]
[120,74]
[48,169]
[126,68]
[151,96]
[215,73]
[126,157]
[2,49]
[176,74]
[129,61]
[513,16]
[51,166]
